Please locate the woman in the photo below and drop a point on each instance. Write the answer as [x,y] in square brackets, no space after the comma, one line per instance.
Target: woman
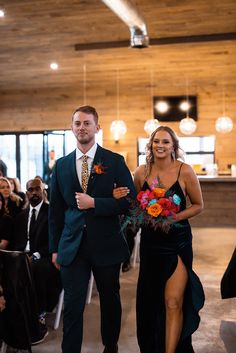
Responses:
[169,293]
[16,188]
[6,225]
[13,203]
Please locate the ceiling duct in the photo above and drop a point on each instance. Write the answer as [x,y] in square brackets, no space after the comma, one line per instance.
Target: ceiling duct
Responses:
[129,14]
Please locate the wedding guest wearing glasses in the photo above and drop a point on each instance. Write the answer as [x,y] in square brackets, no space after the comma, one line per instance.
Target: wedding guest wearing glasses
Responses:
[85,233]
[31,236]
[169,293]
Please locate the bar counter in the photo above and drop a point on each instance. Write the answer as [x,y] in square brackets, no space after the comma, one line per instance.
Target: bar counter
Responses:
[219,196]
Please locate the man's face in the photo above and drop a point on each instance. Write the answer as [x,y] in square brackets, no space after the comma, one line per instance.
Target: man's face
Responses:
[84,128]
[35,192]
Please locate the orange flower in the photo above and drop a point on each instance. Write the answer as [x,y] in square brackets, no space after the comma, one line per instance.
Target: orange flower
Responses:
[159,192]
[154,210]
[98,168]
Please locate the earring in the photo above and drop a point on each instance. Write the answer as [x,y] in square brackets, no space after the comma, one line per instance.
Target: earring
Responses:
[173,155]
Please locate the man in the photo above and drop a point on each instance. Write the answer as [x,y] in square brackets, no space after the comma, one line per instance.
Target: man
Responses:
[85,232]
[31,236]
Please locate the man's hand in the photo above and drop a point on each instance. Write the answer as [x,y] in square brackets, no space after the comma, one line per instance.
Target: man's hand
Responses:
[84,201]
[54,261]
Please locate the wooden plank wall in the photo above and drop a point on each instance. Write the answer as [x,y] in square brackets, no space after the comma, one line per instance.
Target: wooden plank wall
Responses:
[51,109]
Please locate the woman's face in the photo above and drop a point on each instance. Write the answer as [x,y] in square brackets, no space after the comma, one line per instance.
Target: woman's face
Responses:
[162,145]
[5,189]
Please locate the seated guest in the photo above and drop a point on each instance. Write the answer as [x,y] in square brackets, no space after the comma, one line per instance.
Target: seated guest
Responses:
[13,202]
[16,188]
[31,236]
[6,225]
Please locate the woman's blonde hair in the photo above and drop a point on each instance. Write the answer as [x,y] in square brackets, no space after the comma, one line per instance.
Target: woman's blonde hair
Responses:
[149,152]
[15,198]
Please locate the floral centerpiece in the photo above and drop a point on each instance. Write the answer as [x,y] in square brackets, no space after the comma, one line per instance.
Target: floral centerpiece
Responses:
[155,207]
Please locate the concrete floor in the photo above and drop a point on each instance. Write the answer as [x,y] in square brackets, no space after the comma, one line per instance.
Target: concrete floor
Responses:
[217,332]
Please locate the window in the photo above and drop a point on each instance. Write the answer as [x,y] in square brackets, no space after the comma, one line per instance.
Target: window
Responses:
[27,154]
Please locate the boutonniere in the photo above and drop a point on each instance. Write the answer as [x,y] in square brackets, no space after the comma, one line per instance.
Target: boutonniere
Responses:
[98,168]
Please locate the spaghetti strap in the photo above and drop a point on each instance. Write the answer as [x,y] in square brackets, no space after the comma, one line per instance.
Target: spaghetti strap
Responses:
[179,171]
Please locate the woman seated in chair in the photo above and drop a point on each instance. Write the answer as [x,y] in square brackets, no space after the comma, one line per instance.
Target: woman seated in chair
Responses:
[6,226]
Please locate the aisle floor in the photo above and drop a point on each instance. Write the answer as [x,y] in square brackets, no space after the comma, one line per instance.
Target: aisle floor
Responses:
[217,332]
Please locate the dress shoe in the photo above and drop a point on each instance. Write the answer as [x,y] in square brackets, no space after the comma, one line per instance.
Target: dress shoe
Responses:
[113,349]
[126,266]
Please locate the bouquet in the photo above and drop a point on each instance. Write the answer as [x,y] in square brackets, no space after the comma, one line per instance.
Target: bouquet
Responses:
[155,207]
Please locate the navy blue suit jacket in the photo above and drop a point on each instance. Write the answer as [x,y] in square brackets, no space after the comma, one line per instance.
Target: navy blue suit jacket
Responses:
[107,244]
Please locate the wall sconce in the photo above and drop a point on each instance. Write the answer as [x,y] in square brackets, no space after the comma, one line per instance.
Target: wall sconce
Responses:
[151,125]
[118,129]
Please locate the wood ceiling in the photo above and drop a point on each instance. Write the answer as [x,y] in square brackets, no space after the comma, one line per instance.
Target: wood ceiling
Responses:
[35,33]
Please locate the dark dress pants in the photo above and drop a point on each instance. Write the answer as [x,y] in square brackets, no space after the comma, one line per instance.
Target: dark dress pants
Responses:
[75,278]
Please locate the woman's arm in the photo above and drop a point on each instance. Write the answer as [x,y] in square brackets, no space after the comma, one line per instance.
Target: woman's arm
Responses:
[192,188]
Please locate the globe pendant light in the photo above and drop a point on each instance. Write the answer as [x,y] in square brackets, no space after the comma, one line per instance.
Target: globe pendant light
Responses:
[118,127]
[187,125]
[152,124]
[224,124]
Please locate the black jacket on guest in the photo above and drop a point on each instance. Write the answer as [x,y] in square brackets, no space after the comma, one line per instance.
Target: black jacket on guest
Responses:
[39,239]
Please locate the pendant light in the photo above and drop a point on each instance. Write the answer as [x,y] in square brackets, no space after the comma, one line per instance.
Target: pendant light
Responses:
[118,127]
[187,125]
[151,124]
[224,124]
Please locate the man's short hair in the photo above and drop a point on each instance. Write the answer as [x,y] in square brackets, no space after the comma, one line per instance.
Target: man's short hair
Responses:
[88,110]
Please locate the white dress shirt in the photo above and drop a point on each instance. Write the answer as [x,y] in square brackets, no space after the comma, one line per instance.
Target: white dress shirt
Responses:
[79,155]
[37,209]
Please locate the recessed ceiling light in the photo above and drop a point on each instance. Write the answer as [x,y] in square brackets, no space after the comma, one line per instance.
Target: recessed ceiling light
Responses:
[162,106]
[2,13]
[54,66]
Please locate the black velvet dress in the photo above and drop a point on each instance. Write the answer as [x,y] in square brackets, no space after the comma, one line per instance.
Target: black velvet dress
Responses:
[159,253]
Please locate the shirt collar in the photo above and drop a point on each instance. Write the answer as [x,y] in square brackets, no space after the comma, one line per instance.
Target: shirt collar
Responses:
[36,207]
[91,153]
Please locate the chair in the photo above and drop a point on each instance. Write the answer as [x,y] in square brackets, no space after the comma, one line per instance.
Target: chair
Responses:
[61,299]
[21,301]
[136,248]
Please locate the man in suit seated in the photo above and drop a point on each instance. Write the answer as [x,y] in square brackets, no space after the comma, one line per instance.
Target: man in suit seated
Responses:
[31,236]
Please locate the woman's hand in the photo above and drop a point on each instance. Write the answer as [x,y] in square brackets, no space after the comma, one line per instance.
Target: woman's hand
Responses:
[120,192]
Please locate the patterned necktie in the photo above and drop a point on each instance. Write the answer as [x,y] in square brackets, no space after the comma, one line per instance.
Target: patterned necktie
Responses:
[84,173]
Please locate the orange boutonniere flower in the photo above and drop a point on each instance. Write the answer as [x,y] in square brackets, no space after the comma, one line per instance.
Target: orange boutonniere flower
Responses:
[98,168]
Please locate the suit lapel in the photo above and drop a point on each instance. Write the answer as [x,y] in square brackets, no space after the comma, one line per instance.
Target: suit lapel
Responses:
[73,171]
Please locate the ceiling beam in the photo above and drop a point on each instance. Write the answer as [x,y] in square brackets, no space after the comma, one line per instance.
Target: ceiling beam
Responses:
[158,41]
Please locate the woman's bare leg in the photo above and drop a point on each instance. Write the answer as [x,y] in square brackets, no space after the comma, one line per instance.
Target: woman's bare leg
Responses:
[174,294]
